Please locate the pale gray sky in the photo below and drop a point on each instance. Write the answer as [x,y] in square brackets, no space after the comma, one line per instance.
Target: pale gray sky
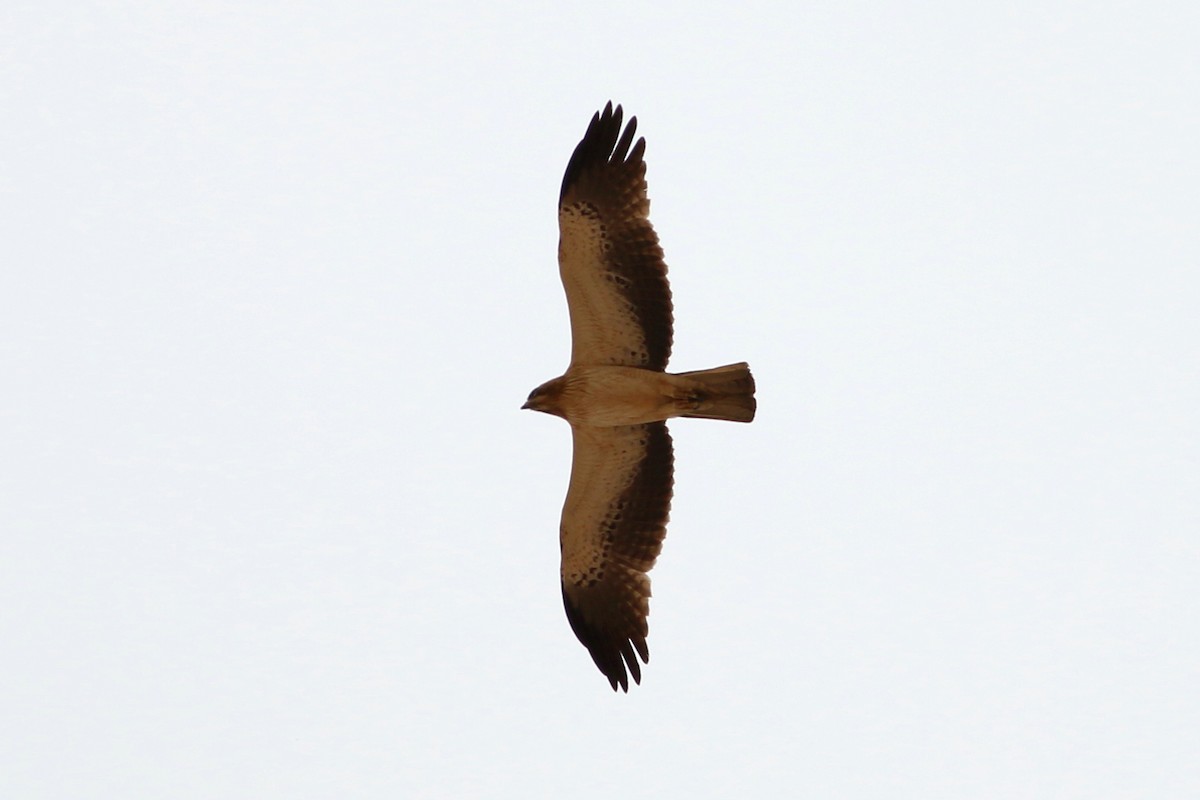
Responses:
[278,276]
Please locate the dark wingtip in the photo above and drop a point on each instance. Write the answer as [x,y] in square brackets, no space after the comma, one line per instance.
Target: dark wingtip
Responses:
[611,657]
[600,144]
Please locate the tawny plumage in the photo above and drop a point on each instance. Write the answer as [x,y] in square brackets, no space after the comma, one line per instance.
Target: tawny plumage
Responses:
[616,395]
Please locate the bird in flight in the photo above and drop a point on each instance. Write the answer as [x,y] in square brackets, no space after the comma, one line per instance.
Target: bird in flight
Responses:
[616,394]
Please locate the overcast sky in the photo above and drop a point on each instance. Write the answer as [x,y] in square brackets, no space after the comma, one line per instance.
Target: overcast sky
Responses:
[275,279]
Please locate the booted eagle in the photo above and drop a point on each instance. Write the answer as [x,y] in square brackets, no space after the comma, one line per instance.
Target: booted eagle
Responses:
[616,394]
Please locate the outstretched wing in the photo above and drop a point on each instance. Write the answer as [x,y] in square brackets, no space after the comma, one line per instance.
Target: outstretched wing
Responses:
[608,254]
[613,525]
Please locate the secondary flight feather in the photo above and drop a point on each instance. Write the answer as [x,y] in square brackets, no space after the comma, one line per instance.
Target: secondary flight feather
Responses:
[616,394]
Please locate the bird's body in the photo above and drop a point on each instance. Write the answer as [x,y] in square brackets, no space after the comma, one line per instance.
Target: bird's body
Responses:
[604,395]
[616,394]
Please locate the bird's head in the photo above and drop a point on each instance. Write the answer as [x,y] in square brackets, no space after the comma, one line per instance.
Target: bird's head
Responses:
[546,398]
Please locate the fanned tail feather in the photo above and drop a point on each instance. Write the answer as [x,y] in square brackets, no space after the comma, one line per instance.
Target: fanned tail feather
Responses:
[723,393]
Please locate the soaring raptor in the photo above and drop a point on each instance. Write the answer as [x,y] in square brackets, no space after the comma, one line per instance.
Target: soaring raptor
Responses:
[616,393]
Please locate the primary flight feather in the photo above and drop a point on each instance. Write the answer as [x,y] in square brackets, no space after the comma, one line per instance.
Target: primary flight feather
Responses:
[616,394]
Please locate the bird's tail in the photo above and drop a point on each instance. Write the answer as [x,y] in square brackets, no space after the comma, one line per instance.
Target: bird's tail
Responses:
[721,393]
